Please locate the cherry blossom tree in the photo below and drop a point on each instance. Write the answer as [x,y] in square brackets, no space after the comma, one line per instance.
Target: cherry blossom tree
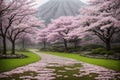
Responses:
[75,36]
[10,11]
[103,19]
[5,21]
[42,37]
[25,39]
[27,25]
[60,29]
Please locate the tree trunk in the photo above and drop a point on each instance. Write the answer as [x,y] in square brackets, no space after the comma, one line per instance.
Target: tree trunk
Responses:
[108,45]
[75,43]
[44,45]
[65,44]
[23,45]
[13,47]
[4,46]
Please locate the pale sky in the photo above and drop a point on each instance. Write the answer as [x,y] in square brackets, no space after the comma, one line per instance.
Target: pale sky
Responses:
[41,2]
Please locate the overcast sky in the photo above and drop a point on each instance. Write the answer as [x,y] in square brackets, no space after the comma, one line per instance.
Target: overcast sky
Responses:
[41,2]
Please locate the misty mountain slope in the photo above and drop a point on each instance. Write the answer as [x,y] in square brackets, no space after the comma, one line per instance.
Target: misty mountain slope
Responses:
[55,8]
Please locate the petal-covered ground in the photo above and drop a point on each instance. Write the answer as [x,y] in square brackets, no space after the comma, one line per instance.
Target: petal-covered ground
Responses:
[52,67]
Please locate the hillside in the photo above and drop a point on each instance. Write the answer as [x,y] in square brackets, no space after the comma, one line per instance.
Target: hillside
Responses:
[56,8]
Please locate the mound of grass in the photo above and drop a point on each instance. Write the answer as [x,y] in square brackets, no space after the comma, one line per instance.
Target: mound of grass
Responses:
[110,64]
[9,64]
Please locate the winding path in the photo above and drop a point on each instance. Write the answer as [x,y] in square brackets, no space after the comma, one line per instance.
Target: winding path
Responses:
[48,68]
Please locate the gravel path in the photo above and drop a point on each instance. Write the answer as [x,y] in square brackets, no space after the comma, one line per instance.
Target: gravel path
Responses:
[48,68]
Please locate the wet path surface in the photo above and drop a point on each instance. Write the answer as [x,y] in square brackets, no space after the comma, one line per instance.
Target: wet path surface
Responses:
[52,67]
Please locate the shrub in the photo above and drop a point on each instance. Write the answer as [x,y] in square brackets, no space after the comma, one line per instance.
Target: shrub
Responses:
[90,47]
[98,51]
[102,51]
[72,49]
[116,49]
[21,50]
[111,52]
[57,48]
[62,49]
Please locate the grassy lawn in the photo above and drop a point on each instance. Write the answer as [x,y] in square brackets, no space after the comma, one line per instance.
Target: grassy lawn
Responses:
[8,64]
[111,64]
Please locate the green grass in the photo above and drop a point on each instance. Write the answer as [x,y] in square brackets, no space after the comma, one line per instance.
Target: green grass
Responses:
[110,64]
[9,64]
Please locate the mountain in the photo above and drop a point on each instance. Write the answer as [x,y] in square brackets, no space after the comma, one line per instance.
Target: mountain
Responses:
[55,8]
